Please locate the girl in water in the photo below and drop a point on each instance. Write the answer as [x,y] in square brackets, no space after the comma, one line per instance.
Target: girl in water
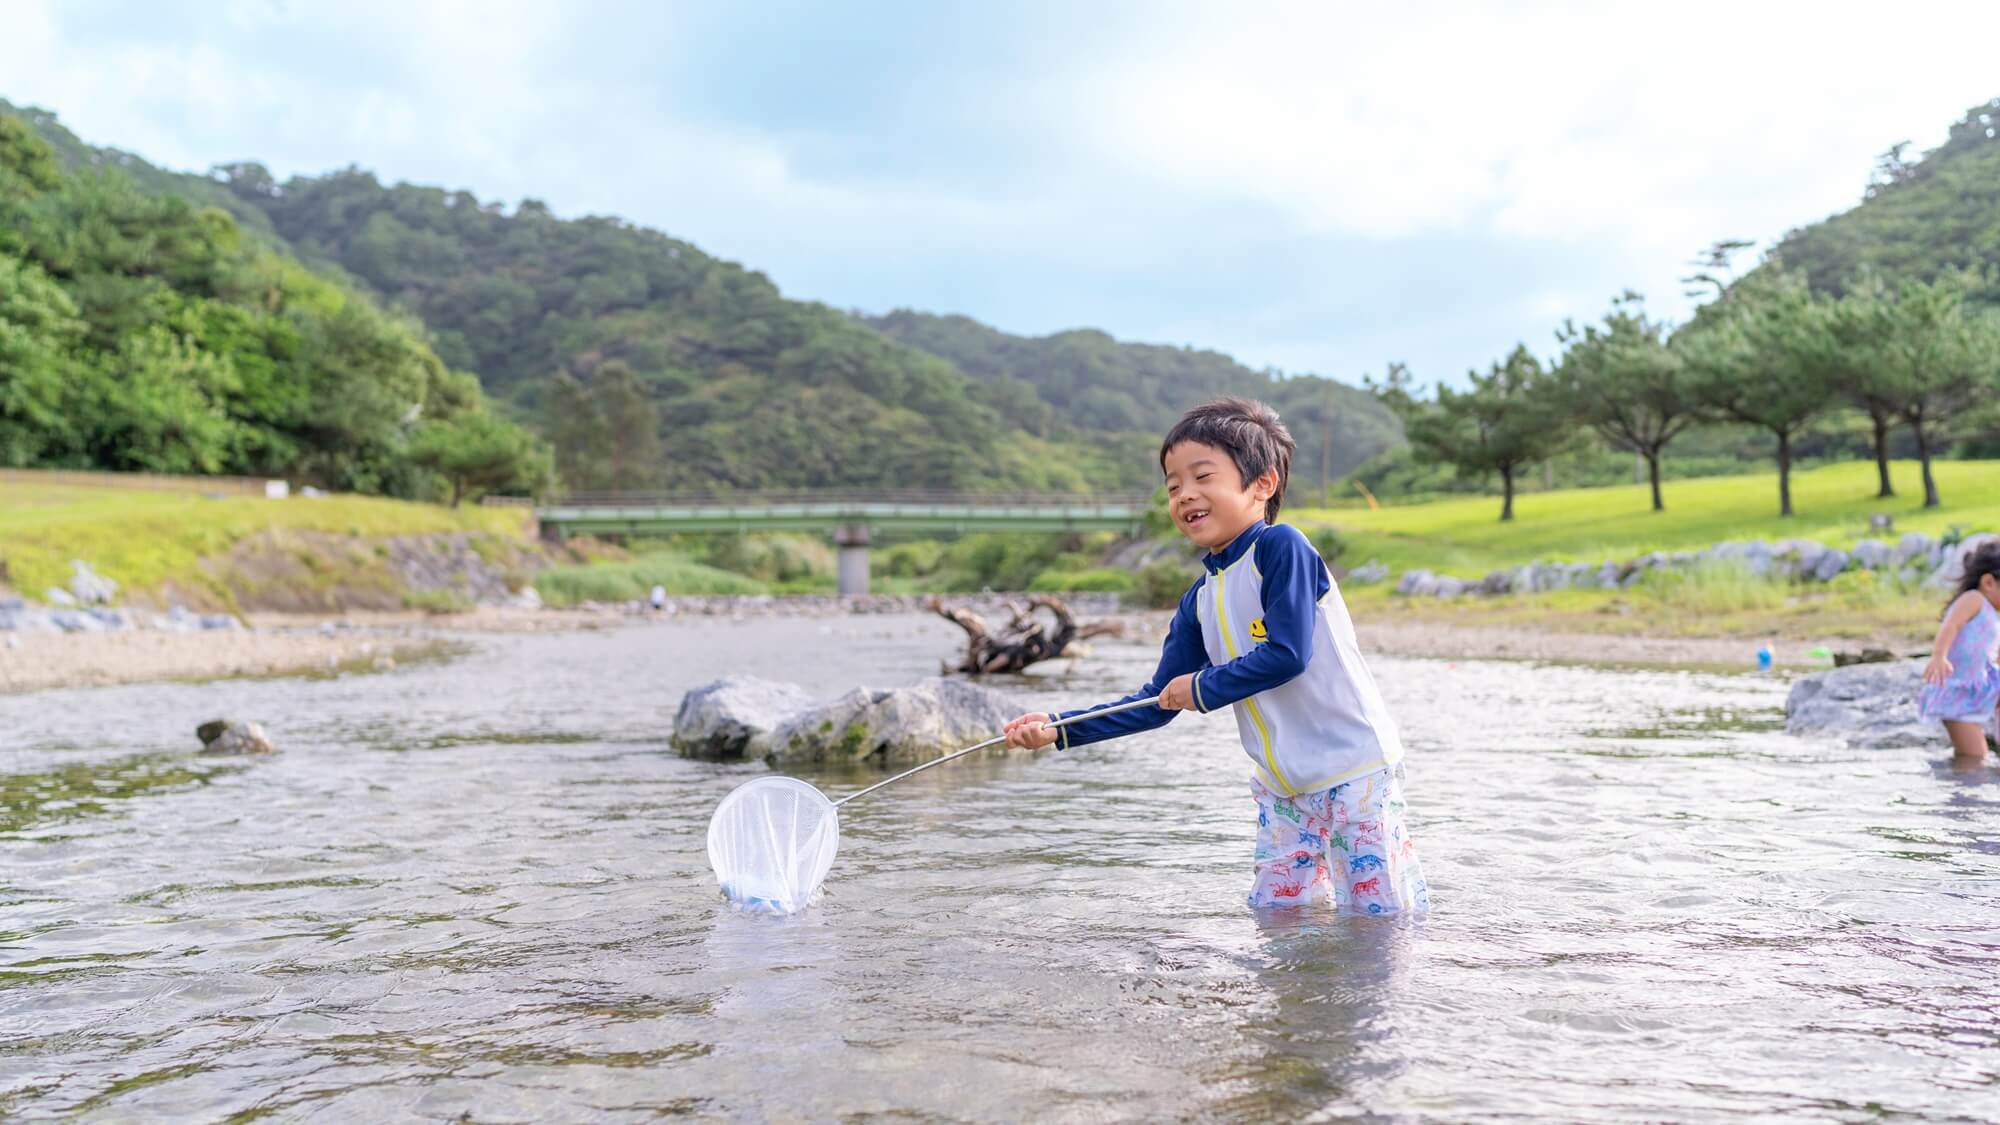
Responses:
[1962,681]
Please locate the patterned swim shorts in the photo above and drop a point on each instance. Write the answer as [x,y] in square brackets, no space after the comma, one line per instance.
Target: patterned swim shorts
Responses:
[1348,843]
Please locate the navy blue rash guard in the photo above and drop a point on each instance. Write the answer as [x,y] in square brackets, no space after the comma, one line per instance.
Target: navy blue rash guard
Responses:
[1294,581]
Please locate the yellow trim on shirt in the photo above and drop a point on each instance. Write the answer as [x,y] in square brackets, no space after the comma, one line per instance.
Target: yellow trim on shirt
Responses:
[1249,702]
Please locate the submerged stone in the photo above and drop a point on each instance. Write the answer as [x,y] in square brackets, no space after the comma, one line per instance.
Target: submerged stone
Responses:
[226,736]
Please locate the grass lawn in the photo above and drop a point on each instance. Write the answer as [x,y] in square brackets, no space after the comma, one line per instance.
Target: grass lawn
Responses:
[143,538]
[1845,614]
[1465,537]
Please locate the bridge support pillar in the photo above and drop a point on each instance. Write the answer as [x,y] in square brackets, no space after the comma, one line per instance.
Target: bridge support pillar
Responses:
[852,540]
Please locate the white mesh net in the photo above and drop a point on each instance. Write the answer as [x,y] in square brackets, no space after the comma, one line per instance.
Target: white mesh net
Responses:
[771,842]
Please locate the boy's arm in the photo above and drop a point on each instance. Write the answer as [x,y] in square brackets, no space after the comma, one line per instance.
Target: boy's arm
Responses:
[1182,653]
[1294,582]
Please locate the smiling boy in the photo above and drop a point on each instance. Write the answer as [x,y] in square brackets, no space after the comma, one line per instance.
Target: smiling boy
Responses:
[1265,633]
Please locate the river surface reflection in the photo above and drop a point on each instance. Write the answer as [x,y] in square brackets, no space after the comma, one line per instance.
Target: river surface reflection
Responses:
[479,888]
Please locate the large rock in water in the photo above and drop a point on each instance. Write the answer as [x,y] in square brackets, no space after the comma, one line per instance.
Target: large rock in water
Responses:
[226,736]
[912,724]
[1862,705]
[734,717]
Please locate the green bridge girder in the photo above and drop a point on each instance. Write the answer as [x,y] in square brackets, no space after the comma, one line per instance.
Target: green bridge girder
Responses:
[638,515]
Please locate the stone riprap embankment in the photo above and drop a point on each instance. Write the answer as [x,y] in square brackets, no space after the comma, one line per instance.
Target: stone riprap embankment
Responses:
[86,606]
[1914,559]
[17,616]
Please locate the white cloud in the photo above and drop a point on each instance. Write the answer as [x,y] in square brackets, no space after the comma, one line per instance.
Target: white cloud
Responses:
[1656,129]
[1571,150]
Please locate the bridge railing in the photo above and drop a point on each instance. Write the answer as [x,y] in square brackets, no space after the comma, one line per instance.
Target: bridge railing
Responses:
[763,499]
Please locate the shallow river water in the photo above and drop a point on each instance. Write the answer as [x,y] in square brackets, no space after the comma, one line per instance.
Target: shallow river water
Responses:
[478,889]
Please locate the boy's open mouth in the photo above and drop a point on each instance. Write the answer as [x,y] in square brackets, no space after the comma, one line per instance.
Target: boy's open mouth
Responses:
[1194,516]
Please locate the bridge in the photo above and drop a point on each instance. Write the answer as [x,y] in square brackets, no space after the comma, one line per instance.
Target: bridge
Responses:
[849,517]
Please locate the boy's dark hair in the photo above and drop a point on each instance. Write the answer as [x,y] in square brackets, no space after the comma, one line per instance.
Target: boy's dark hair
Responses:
[1249,432]
[1979,562]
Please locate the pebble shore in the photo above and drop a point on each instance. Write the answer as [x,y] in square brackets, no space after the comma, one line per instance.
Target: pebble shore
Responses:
[281,644]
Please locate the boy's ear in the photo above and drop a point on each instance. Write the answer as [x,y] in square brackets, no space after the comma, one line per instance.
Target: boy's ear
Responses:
[1266,485]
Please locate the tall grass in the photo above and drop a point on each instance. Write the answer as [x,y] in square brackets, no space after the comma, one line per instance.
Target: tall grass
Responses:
[1713,586]
[633,580]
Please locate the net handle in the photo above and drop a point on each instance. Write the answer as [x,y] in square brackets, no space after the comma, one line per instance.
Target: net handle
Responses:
[991,742]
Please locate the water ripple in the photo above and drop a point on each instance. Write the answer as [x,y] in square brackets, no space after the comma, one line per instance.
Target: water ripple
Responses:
[478,890]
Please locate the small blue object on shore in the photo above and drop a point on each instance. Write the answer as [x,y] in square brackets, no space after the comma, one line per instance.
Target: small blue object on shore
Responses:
[1763,658]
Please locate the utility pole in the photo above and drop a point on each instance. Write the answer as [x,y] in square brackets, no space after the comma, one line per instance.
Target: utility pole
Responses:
[1326,448]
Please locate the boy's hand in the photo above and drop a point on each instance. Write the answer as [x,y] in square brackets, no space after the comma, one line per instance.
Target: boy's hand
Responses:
[1179,694]
[1030,731]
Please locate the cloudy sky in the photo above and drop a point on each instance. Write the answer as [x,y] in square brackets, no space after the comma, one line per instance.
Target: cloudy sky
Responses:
[1319,187]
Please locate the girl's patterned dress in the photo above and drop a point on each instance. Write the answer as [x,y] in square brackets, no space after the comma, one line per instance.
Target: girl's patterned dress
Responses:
[1973,690]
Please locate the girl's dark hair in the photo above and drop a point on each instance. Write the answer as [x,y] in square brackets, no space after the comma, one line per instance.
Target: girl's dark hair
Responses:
[1979,562]
[1249,432]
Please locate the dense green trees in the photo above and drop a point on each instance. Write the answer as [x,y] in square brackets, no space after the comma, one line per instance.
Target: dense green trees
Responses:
[1758,357]
[1778,355]
[1936,362]
[1085,380]
[1513,416]
[1770,353]
[1623,381]
[1920,219]
[606,432]
[743,388]
[140,331]
[478,453]
[39,331]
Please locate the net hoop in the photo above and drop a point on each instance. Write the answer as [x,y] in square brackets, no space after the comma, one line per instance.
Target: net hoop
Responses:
[772,842]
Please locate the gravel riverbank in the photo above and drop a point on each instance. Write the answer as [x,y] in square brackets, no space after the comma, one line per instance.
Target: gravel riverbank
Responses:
[289,644]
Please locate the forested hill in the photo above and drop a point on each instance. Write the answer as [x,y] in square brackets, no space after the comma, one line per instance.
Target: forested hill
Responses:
[1918,219]
[648,363]
[1100,384]
[756,390]
[587,322]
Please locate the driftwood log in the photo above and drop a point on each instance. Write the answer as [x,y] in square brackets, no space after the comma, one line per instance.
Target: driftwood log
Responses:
[1024,640]
[1870,656]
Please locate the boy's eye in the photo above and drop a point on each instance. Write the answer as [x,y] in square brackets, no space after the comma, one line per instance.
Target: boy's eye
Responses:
[1203,476]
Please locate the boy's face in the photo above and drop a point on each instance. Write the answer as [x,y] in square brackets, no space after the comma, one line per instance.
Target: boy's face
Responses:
[1206,495]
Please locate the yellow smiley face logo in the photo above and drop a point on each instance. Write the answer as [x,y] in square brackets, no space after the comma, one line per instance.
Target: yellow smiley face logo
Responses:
[1257,633]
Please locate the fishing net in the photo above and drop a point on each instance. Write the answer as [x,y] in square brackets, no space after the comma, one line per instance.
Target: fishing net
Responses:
[771,842]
